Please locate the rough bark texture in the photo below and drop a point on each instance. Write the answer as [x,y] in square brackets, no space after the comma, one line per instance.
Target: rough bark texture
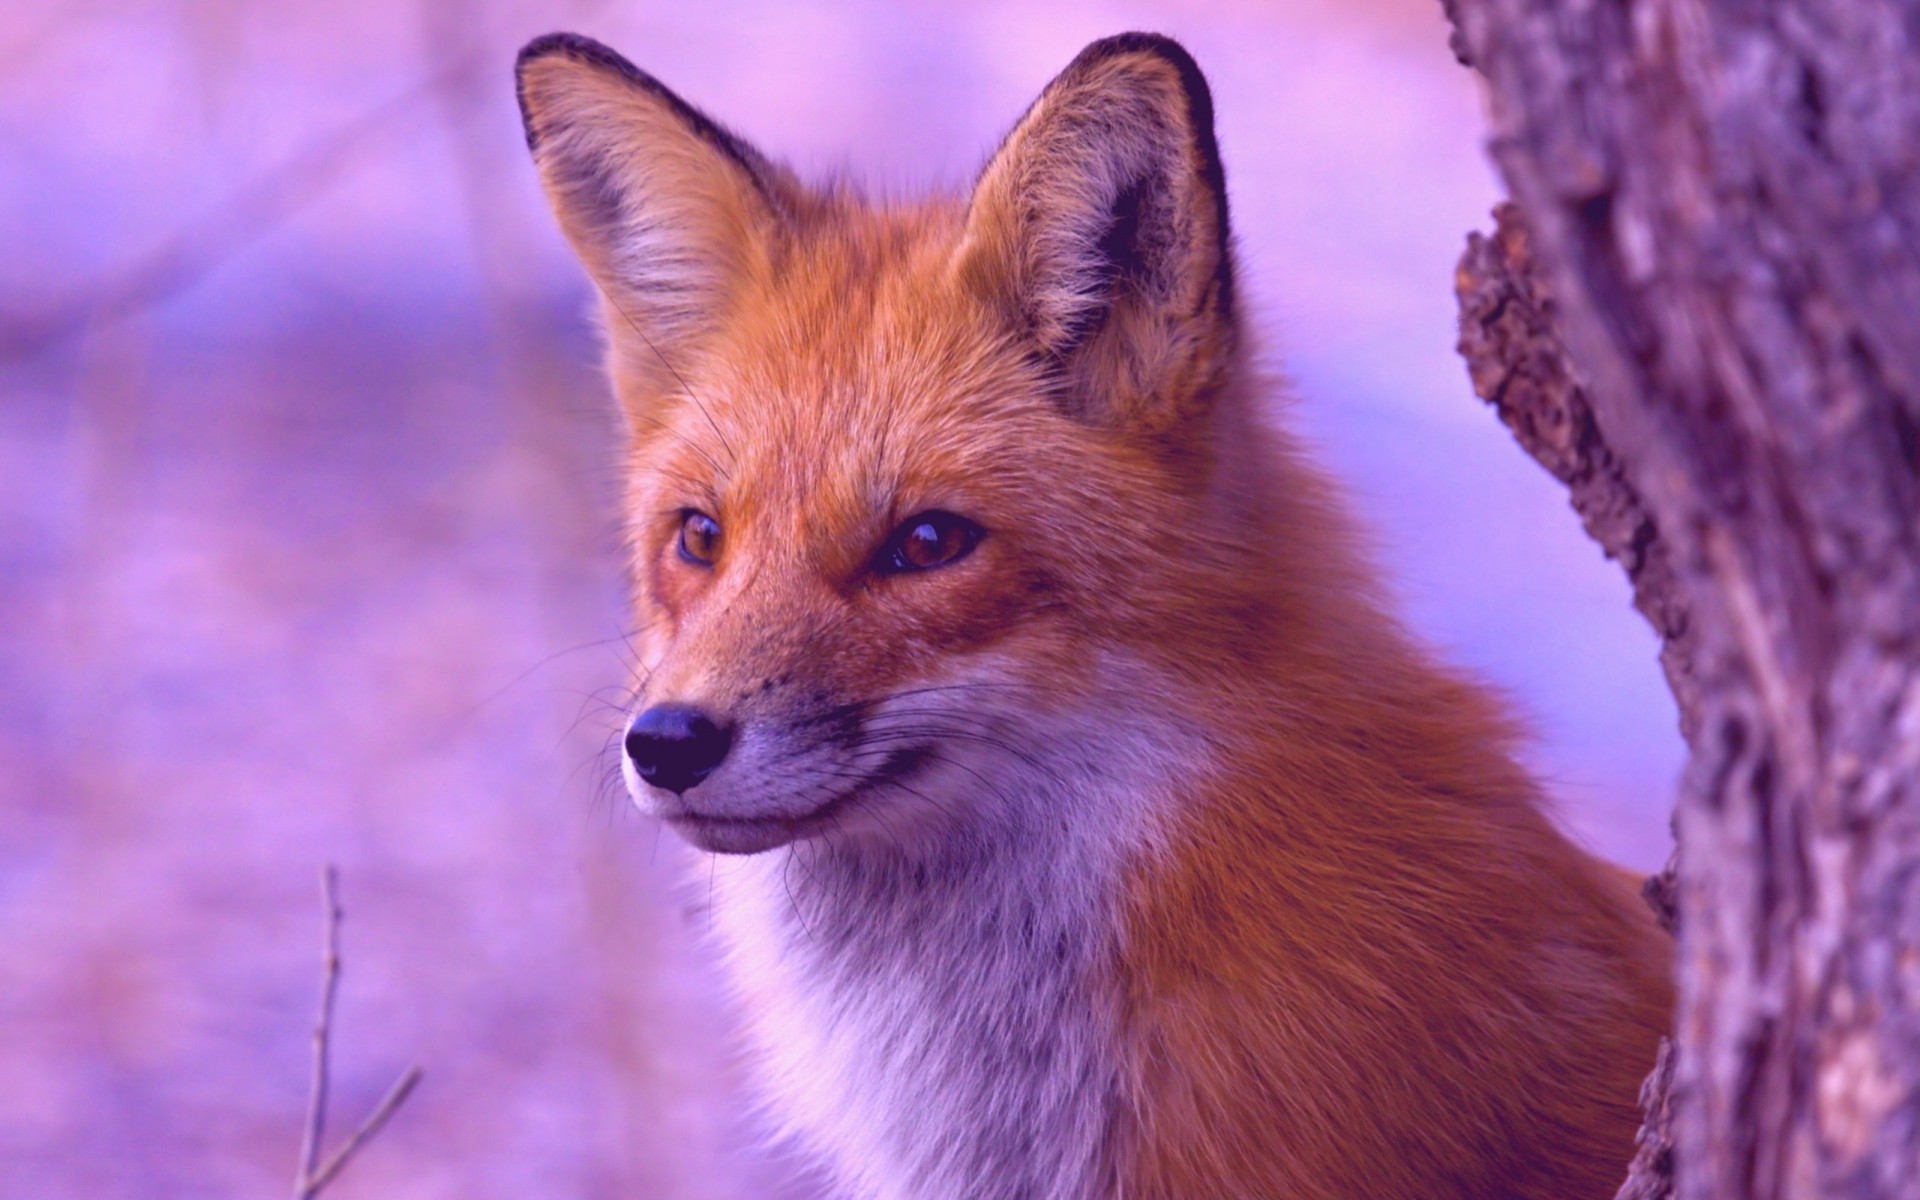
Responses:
[1517,363]
[1650,1176]
[1724,202]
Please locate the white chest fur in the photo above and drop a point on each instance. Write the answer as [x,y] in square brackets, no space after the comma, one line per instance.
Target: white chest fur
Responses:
[944,1026]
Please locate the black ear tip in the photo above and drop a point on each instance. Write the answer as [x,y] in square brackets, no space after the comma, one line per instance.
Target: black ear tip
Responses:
[1141,42]
[1192,81]
[547,45]
[1159,45]
[587,52]
[573,46]
[556,42]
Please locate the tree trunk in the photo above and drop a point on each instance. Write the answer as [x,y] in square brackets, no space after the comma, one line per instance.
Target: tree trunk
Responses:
[1719,220]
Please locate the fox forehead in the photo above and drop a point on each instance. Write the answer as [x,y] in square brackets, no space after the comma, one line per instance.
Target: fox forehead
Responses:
[851,380]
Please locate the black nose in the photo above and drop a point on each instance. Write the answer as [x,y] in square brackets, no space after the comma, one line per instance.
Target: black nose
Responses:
[675,746]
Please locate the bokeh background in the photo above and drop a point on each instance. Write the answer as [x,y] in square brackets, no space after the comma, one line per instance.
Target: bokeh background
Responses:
[307,552]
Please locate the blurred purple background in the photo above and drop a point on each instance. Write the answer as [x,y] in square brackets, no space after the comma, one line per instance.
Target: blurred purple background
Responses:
[306,549]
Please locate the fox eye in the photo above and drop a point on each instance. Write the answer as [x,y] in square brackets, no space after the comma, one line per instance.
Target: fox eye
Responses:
[931,539]
[699,538]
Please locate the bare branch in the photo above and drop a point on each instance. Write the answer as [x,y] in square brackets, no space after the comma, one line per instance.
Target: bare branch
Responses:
[389,1104]
[313,1176]
[322,1033]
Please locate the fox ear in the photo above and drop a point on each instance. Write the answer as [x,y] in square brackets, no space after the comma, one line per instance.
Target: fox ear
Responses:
[1100,226]
[667,210]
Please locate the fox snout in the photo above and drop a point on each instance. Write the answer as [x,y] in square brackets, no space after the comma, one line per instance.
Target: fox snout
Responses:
[780,765]
[675,746]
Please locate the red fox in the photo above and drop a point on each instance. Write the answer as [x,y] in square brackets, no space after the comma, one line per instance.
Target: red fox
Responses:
[1104,835]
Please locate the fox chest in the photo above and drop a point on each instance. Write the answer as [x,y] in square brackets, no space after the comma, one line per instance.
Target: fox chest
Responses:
[931,1050]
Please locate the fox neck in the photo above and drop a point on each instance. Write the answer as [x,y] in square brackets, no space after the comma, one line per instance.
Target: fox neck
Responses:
[942,1019]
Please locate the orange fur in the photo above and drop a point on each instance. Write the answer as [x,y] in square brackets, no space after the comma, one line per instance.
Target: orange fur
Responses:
[1451,1000]
[1357,960]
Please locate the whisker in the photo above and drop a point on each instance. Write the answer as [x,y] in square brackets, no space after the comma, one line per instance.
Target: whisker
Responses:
[713,867]
[862,706]
[786,884]
[922,796]
[684,385]
[689,443]
[510,684]
[589,702]
[894,735]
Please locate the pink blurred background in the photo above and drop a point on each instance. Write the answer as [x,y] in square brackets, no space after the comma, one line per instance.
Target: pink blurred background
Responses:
[306,549]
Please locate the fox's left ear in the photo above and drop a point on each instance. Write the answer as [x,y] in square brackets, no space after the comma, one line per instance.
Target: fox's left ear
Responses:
[1100,227]
[670,213]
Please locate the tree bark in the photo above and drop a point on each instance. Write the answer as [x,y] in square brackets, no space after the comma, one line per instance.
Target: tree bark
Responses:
[1510,341]
[1721,206]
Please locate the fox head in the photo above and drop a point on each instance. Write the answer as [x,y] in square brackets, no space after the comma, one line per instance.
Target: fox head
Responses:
[914,492]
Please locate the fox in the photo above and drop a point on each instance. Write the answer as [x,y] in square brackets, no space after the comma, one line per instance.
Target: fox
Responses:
[1091,825]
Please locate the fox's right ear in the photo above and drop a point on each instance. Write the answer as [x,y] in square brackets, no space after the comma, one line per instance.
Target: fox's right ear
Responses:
[668,211]
[1100,229]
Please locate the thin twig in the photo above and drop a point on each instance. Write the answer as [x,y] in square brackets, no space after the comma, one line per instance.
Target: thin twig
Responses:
[312,1175]
[322,1034]
[395,1097]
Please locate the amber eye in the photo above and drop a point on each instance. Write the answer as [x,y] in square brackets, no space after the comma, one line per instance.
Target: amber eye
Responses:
[699,538]
[931,539]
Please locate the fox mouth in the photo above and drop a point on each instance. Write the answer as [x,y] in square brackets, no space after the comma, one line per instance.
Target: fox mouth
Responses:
[752,835]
